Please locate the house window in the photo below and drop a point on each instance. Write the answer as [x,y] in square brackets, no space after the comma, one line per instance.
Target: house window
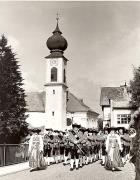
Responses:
[53,91]
[54,74]
[123,118]
[52,113]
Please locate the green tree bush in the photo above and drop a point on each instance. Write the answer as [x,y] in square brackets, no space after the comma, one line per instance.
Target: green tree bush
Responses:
[13,126]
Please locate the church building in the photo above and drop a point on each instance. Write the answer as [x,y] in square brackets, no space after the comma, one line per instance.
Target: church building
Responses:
[57,108]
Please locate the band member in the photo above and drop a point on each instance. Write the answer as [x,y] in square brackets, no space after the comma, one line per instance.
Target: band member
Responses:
[121,134]
[73,138]
[67,148]
[81,142]
[35,150]
[61,145]
[127,142]
[91,139]
[113,148]
[94,144]
[56,150]
[48,146]
[86,147]
[104,146]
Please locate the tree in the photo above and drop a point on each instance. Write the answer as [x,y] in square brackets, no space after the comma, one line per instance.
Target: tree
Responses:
[135,122]
[13,126]
[135,89]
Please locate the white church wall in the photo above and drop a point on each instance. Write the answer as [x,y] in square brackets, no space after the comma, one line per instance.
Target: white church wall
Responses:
[79,118]
[36,119]
[56,103]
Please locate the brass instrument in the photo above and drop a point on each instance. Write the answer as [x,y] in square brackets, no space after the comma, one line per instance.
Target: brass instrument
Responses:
[132,132]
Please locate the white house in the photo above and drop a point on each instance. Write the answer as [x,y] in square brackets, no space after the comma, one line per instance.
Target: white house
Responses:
[115,103]
[57,108]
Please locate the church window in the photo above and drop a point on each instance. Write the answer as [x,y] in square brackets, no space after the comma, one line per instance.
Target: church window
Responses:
[54,74]
[52,113]
[64,76]
[53,91]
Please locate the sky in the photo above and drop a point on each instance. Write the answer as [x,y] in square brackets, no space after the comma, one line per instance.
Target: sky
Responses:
[103,42]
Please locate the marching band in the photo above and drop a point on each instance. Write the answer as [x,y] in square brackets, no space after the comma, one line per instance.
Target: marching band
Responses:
[80,146]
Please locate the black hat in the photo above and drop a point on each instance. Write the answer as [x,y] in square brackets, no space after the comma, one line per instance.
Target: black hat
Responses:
[36,130]
[76,125]
[56,131]
[49,129]
[106,129]
[71,130]
[94,130]
[126,131]
[90,130]
[121,128]
[82,129]
[112,128]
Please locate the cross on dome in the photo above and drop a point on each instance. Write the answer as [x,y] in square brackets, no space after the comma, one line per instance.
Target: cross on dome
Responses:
[57,17]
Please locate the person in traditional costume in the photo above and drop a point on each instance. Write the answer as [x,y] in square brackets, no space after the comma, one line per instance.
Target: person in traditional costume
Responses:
[36,160]
[113,148]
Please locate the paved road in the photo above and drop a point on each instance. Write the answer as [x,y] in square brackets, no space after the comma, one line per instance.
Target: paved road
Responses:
[59,172]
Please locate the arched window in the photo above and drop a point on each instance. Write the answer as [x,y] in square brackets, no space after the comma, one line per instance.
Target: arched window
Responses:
[64,76]
[53,74]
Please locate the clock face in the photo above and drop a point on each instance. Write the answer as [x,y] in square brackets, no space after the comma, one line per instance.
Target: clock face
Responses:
[54,62]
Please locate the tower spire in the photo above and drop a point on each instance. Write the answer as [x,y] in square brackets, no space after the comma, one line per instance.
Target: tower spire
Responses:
[57,30]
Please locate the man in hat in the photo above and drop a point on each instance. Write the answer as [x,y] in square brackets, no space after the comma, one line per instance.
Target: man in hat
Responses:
[121,134]
[56,147]
[91,143]
[95,145]
[61,145]
[81,141]
[48,146]
[66,147]
[126,141]
[105,133]
[73,138]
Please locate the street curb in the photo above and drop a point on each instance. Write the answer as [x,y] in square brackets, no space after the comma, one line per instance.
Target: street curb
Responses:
[11,169]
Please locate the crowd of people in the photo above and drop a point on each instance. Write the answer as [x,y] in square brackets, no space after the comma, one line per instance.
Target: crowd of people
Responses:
[79,146]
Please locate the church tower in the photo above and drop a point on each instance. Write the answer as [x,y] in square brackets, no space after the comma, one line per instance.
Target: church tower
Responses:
[56,86]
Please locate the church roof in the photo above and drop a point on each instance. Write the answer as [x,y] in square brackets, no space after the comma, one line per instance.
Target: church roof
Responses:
[119,95]
[36,103]
[77,105]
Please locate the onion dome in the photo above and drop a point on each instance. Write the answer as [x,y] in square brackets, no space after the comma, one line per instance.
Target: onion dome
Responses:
[57,43]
